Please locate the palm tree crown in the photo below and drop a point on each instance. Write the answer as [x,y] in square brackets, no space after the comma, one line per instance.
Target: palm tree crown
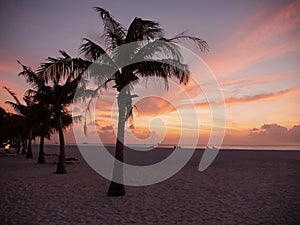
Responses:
[146,43]
[139,51]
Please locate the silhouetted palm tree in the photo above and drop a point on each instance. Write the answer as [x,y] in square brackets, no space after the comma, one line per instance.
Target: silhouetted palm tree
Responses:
[12,129]
[31,111]
[64,74]
[46,119]
[6,131]
[128,64]
[4,125]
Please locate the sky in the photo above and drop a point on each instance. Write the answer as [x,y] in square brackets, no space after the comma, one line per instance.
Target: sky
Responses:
[254,55]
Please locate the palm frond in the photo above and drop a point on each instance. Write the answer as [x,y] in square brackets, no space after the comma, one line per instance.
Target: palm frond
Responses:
[82,93]
[200,43]
[114,32]
[141,29]
[66,120]
[64,54]
[91,50]
[13,95]
[18,108]
[158,49]
[57,69]
[66,92]
[165,69]
[32,93]
[31,77]
[101,72]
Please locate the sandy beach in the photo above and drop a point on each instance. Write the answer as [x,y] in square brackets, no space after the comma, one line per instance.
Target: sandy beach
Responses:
[240,187]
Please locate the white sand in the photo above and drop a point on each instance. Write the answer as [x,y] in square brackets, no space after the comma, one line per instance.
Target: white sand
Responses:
[246,187]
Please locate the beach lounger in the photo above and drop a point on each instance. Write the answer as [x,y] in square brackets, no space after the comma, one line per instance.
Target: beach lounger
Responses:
[70,159]
[9,153]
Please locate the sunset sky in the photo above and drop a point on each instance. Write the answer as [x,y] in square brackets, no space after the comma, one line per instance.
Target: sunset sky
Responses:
[254,54]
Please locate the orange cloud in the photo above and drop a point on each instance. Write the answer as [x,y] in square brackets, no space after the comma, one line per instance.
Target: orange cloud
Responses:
[140,132]
[246,99]
[258,79]
[259,97]
[152,106]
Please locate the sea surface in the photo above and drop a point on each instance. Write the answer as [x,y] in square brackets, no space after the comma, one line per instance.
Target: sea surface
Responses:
[146,147]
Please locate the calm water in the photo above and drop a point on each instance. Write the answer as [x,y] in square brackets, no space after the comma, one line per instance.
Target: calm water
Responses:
[224,147]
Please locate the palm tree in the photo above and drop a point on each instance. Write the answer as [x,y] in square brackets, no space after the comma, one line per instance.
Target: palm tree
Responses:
[146,41]
[46,119]
[64,73]
[44,130]
[54,98]
[5,125]
[18,130]
[30,110]
[6,132]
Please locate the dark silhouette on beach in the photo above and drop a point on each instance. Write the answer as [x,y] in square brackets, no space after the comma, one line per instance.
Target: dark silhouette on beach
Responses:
[130,54]
[45,109]
[143,40]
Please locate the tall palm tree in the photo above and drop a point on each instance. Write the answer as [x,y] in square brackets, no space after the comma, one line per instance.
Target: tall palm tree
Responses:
[46,119]
[146,41]
[54,83]
[64,75]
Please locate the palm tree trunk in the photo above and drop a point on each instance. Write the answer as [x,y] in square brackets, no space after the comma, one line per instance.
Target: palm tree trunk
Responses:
[29,150]
[18,144]
[24,144]
[41,159]
[118,189]
[61,168]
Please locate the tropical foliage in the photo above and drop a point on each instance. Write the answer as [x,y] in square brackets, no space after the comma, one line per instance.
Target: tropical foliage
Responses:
[130,54]
[140,51]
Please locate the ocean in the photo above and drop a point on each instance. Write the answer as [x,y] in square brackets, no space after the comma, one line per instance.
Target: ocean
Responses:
[146,147]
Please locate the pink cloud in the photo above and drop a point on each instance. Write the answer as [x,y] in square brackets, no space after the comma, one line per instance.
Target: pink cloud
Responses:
[154,106]
[282,21]
[246,99]
[258,97]
[274,134]
[267,34]
[107,128]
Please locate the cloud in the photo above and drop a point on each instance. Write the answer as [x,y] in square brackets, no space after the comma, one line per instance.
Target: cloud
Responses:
[141,133]
[93,123]
[267,34]
[277,23]
[107,128]
[274,134]
[107,134]
[258,97]
[294,133]
[131,127]
[255,80]
[245,99]
[272,129]
[153,106]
